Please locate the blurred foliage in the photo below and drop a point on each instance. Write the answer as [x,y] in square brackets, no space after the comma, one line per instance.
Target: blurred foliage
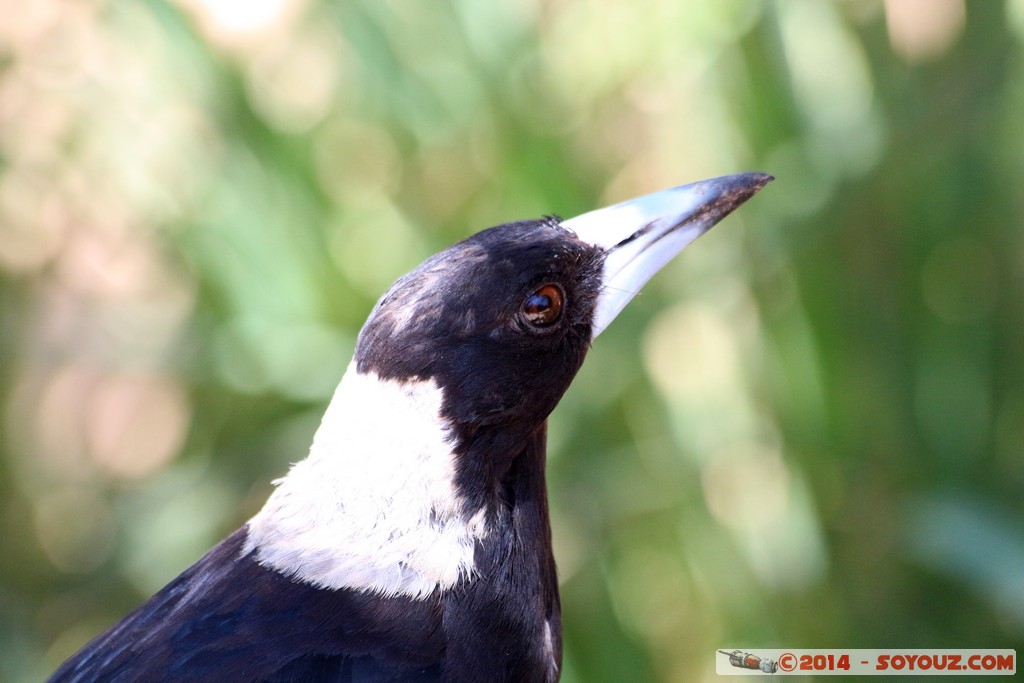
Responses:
[808,432]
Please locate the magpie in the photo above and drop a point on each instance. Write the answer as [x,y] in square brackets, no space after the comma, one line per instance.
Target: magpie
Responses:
[413,543]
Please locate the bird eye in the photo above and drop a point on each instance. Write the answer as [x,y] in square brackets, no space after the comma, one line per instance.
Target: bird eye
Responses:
[543,308]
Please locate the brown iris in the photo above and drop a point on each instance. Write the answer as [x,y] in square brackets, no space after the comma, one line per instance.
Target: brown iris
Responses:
[543,308]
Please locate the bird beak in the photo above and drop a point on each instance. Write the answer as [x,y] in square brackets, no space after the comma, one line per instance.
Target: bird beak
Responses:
[641,235]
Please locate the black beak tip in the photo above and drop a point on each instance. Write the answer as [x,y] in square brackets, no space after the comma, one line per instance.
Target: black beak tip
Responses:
[755,180]
[733,190]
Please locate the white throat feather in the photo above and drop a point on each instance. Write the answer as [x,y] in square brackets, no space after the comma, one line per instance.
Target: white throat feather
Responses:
[374,506]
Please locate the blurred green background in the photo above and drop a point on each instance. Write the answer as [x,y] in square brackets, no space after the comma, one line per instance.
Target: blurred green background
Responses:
[808,432]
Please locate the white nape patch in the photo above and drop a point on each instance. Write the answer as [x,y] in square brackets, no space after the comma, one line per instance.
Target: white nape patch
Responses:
[374,506]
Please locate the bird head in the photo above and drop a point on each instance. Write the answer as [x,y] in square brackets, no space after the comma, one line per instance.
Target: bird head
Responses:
[435,433]
[503,320]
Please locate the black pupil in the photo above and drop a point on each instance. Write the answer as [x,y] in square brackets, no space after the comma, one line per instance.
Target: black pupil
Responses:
[541,308]
[537,304]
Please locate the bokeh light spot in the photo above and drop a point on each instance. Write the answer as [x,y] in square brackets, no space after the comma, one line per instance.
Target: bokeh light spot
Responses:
[920,30]
[136,424]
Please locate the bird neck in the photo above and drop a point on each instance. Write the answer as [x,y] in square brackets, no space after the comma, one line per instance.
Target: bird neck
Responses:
[512,613]
[381,506]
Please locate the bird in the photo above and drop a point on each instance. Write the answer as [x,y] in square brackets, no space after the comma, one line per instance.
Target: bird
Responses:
[413,543]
